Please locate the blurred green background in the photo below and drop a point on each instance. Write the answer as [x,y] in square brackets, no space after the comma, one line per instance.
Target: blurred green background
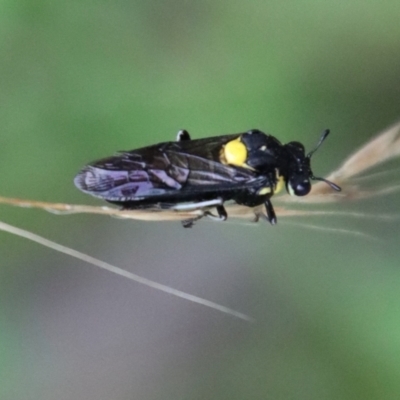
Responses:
[82,79]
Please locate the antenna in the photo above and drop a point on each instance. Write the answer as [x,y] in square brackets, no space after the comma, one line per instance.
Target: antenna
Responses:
[324,135]
[331,184]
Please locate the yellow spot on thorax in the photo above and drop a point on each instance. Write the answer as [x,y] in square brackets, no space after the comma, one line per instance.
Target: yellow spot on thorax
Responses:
[235,153]
[264,190]
[277,187]
[280,182]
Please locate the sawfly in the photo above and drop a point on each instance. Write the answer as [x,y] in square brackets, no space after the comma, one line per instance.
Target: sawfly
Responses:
[351,175]
[246,168]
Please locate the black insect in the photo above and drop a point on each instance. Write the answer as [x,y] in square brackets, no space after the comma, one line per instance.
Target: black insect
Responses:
[247,168]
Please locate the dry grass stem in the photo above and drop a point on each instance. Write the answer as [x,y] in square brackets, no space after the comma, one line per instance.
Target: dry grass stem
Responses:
[119,271]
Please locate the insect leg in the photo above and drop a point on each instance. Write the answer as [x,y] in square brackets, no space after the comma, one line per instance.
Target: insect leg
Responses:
[222,214]
[188,223]
[196,206]
[182,135]
[271,216]
[257,216]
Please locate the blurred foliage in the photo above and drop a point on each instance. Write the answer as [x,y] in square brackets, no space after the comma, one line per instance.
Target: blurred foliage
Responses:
[82,79]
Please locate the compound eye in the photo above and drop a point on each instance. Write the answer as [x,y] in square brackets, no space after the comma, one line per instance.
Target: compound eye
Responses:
[299,188]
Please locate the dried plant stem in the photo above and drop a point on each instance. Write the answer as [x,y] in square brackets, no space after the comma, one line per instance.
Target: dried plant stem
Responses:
[119,271]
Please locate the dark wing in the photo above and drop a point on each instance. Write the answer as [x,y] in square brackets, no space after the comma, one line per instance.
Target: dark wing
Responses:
[190,168]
